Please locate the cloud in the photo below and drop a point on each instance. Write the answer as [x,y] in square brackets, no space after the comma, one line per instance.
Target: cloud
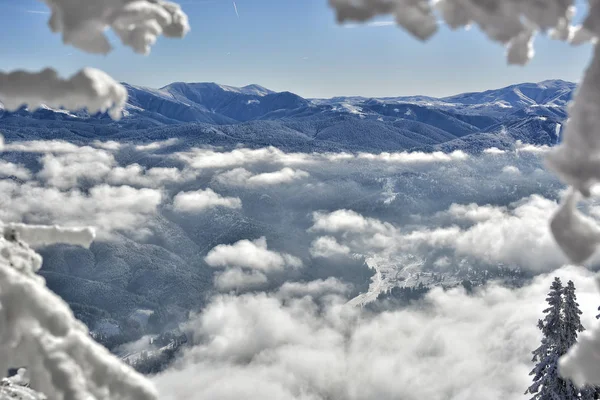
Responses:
[37,12]
[201,200]
[42,146]
[511,169]
[348,221]
[252,255]
[157,145]
[237,279]
[108,145]
[327,246]
[199,158]
[8,169]
[107,208]
[243,177]
[494,150]
[65,170]
[373,24]
[452,346]
[473,212]
[415,157]
[65,165]
[517,235]
[136,175]
[314,289]
[213,159]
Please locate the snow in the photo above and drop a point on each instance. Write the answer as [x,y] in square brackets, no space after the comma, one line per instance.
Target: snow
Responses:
[513,23]
[38,330]
[251,90]
[89,88]
[38,236]
[10,390]
[137,23]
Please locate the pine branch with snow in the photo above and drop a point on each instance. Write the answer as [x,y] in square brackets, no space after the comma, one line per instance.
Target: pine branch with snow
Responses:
[38,329]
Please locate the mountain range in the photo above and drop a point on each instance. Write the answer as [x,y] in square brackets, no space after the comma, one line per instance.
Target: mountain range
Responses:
[118,280]
[254,116]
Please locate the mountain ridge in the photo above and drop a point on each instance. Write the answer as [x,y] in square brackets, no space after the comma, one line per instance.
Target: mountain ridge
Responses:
[207,113]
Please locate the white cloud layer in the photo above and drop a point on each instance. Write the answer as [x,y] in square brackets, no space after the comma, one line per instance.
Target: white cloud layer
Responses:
[328,246]
[252,255]
[243,177]
[238,279]
[202,200]
[107,208]
[8,169]
[518,235]
[199,158]
[453,346]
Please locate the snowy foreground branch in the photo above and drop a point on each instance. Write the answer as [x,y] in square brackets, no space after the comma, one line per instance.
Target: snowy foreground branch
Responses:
[136,22]
[82,24]
[514,23]
[89,88]
[39,331]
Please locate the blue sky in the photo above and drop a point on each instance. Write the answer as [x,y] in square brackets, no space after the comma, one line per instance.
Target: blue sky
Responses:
[292,45]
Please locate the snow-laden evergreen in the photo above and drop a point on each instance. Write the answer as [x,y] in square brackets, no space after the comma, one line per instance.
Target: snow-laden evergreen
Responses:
[560,328]
[547,384]
[571,327]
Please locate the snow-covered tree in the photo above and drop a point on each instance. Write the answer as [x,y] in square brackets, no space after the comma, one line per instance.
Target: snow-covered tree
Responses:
[547,384]
[560,328]
[571,328]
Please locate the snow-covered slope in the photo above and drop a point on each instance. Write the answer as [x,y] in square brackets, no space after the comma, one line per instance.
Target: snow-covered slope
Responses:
[209,113]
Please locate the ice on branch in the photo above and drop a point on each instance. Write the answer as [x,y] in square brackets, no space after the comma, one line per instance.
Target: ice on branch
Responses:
[136,22]
[89,88]
[40,235]
[512,23]
[38,329]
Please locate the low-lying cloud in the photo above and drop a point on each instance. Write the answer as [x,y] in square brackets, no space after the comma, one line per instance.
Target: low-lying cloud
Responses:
[453,346]
[251,254]
[243,177]
[201,200]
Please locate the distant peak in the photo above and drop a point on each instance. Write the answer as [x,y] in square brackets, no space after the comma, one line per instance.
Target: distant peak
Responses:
[250,90]
[257,89]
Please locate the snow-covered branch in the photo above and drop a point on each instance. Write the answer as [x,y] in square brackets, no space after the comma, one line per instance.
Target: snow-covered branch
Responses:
[82,24]
[38,329]
[41,235]
[512,23]
[137,22]
[89,88]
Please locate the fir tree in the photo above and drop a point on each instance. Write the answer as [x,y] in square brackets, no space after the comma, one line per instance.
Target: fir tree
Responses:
[560,328]
[571,327]
[547,384]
